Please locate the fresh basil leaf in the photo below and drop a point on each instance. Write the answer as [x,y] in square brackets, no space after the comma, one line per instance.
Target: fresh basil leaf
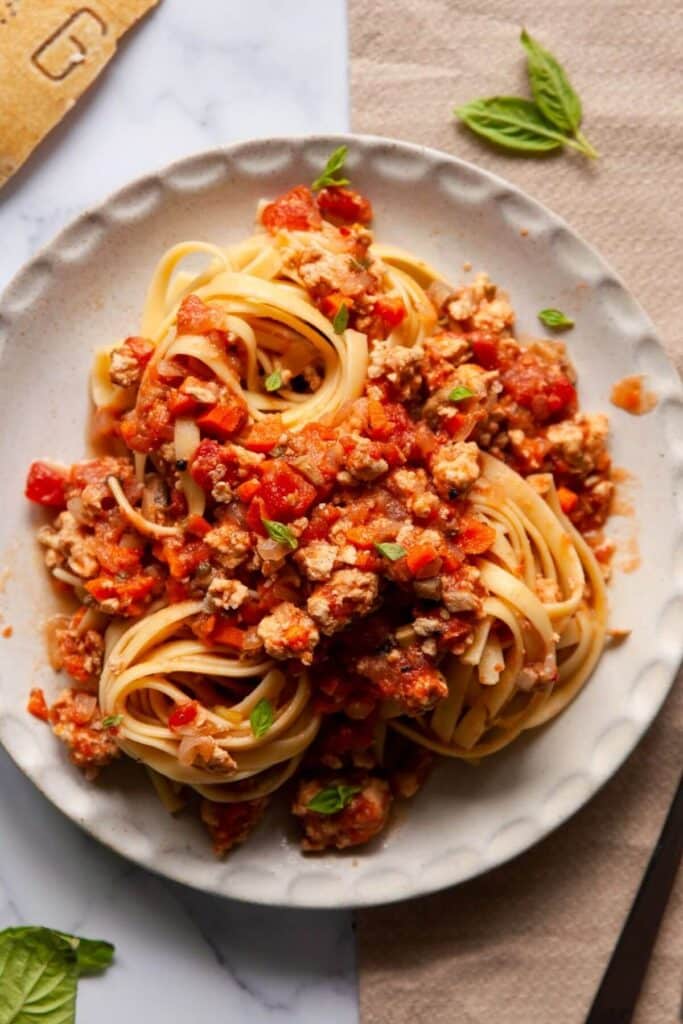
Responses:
[261,717]
[554,95]
[341,320]
[110,721]
[332,799]
[273,381]
[38,975]
[459,394]
[391,551]
[512,122]
[281,533]
[334,164]
[553,92]
[92,955]
[556,319]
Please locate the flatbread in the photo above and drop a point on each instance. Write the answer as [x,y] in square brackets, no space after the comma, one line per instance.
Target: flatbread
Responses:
[50,52]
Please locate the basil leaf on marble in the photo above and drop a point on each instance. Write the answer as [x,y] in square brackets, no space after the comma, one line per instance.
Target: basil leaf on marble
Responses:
[39,972]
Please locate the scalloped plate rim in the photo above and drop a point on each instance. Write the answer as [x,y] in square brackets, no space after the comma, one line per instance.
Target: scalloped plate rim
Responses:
[350,899]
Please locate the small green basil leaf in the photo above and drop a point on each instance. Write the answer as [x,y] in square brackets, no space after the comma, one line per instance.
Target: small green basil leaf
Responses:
[511,122]
[555,319]
[332,799]
[341,320]
[391,551]
[329,174]
[281,533]
[273,381]
[459,394]
[261,717]
[111,721]
[554,95]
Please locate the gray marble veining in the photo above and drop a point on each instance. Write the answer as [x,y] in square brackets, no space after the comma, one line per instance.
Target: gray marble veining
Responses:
[190,77]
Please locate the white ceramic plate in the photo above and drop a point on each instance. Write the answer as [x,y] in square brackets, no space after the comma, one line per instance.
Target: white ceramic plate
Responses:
[87,288]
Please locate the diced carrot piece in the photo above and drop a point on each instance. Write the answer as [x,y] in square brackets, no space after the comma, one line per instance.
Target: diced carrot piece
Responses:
[223,421]
[37,704]
[421,557]
[475,537]
[228,634]
[568,499]
[332,303]
[248,490]
[197,525]
[264,435]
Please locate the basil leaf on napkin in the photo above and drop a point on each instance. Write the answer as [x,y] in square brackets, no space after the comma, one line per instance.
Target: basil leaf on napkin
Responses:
[553,92]
[512,122]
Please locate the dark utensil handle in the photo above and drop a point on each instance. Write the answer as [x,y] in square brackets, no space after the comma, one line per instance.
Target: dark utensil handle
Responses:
[616,998]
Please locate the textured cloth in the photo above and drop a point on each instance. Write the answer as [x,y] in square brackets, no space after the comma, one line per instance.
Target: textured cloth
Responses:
[527,943]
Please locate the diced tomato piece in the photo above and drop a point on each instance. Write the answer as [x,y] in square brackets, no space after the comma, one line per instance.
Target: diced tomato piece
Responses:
[252,611]
[568,499]
[223,421]
[37,704]
[226,632]
[140,348]
[149,426]
[256,513]
[114,558]
[197,525]
[321,521]
[540,387]
[183,558]
[207,462]
[390,421]
[332,303]
[264,435]
[286,493]
[296,210]
[183,714]
[338,203]
[176,591]
[45,484]
[475,537]
[424,442]
[459,425]
[364,537]
[195,317]
[248,490]
[90,471]
[180,404]
[484,349]
[391,312]
[423,560]
[128,593]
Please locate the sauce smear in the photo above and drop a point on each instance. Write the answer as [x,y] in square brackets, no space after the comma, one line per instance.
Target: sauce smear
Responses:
[630,395]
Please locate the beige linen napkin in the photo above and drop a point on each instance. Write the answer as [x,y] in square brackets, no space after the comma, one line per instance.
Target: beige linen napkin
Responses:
[527,944]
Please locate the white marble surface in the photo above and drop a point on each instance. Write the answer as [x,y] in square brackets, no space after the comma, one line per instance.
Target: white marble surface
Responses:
[191,76]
